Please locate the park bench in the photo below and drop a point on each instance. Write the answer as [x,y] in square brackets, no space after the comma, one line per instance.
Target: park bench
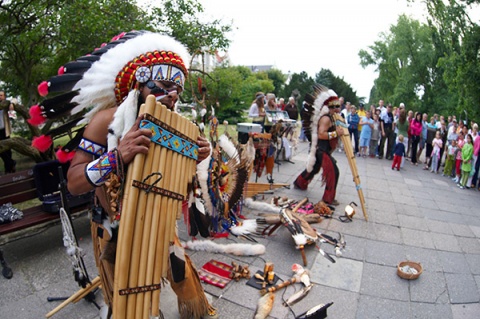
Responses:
[19,188]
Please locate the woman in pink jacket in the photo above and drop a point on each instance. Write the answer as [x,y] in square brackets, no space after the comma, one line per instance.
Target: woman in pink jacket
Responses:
[415,131]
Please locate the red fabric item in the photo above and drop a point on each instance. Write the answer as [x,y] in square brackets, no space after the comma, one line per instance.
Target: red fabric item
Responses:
[215,273]
[328,178]
[61,70]
[42,143]
[397,160]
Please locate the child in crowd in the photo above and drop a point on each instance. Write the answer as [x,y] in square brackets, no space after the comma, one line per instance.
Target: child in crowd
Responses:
[467,155]
[437,146]
[458,157]
[452,148]
[398,153]
[366,133]
[372,149]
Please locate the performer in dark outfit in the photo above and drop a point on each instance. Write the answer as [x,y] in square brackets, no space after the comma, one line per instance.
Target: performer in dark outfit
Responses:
[324,141]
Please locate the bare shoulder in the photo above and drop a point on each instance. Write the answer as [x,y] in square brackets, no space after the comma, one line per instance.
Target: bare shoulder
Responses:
[97,129]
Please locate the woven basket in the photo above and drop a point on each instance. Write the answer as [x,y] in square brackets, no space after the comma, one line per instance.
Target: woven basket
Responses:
[412,264]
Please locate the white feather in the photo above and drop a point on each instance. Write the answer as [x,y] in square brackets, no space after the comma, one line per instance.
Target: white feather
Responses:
[98,83]
[300,239]
[228,147]
[194,114]
[261,206]
[203,111]
[124,118]
[202,175]
[234,249]
[247,226]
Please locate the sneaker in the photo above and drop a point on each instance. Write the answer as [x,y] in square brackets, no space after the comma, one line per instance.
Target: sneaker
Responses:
[392,168]
[398,169]
[380,157]
[461,187]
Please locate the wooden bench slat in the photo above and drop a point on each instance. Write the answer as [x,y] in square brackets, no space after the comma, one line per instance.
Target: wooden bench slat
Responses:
[19,197]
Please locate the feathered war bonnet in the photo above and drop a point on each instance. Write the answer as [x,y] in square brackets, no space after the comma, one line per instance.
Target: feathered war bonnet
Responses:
[323,100]
[109,77]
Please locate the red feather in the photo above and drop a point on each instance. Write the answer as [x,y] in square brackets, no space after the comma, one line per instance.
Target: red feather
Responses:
[36,116]
[43,88]
[63,156]
[42,143]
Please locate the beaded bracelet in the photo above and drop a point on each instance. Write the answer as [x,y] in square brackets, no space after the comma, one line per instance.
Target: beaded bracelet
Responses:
[97,171]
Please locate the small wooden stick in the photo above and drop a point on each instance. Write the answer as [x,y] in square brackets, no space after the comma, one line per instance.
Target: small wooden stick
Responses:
[279,286]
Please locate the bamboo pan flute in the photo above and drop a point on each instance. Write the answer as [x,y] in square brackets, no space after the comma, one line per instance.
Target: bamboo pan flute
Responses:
[347,145]
[147,226]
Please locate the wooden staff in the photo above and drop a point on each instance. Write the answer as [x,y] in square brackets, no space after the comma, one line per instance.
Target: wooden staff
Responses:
[127,225]
[79,295]
[347,143]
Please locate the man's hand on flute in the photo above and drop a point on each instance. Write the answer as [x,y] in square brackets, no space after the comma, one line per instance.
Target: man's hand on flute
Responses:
[136,140]
[203,148]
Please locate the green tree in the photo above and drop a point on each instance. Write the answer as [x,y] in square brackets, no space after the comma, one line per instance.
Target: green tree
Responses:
[39,36]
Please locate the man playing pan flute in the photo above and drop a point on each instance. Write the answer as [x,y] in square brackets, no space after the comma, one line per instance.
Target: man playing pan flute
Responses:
[112,83]
[325,136]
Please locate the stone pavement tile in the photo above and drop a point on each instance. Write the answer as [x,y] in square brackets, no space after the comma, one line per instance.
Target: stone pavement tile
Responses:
[439,227]
[410,209]
[462,288]
[441,183]
[453,262]
[412,222]
[344,302]
[18,286]
[474,262]
[430,287]
[355,248]
[417,238]
[446,242]
[469,245]
[427,203]
[419,192]
[345,274]
[383,282]
[461,230]
[449,217]
[426,310]
[384,217]
[29,307]
[380,308]
[401,199]
[357,228]
[391,234]
[381,205]
[466,311]
[428,258]
[232,309]
[475,230]
[413,182]
[382,253]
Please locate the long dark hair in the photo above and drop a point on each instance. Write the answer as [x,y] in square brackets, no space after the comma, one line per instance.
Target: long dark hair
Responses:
[416,117]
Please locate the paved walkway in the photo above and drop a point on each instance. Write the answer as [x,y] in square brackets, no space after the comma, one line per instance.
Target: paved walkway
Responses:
[413,214]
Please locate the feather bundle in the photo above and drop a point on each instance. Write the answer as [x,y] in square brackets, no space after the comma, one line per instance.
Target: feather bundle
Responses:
[264,306]
[234,249]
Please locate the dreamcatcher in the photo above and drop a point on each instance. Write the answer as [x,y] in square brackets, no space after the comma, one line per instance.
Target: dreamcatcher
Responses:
[221,179]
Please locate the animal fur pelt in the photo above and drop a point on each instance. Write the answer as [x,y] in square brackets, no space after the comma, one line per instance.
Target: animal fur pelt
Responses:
[261,206]
[264,306]
[234,249]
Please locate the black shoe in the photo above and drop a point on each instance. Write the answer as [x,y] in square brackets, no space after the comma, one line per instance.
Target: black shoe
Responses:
[380,157]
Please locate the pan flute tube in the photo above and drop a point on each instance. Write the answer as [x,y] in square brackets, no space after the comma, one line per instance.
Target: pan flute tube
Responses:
[154,155]
[125,236]
[138,229]
[157,219]
[163,242]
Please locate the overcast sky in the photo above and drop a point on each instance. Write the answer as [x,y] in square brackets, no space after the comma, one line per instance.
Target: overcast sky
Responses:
[303,35]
